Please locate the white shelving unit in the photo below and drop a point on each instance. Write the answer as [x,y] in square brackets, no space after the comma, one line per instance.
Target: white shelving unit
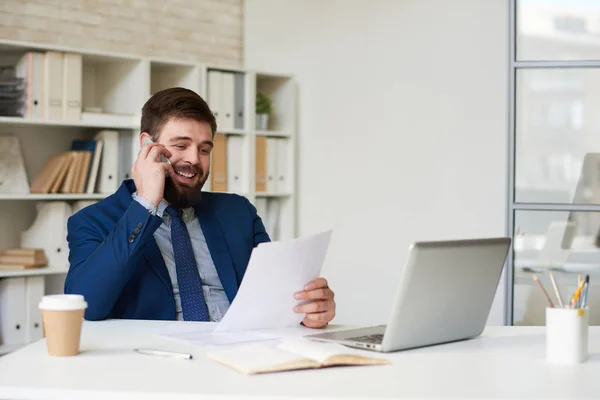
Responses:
[54,196]
[120,84]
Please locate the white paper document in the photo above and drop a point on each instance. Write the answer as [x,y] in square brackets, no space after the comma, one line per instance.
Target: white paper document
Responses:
[218,338]
[275,272]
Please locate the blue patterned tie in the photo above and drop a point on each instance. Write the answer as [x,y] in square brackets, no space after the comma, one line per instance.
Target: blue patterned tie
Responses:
[188,278]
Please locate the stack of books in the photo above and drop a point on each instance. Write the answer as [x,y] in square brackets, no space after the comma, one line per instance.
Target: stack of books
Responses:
[73,171]
[12,92]
[22,258]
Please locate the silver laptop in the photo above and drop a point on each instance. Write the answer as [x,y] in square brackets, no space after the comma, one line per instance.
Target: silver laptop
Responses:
[445,295]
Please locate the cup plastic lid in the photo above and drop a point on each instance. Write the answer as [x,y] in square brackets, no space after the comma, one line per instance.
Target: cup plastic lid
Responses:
[63,302]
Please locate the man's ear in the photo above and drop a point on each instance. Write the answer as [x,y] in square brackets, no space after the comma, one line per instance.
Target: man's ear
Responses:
[144,138]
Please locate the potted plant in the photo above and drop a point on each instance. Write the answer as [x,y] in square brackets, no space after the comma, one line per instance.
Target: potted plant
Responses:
[263,111]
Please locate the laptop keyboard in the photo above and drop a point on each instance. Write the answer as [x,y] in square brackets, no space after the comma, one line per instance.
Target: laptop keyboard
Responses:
[375,338]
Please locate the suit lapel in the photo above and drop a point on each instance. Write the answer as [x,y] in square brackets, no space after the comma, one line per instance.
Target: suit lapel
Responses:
[152,254]
[219,251]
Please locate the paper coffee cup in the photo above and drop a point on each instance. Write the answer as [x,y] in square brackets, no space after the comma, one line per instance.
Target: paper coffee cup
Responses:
[62,315]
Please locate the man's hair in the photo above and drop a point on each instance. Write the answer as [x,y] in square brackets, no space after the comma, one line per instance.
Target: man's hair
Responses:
[174,103]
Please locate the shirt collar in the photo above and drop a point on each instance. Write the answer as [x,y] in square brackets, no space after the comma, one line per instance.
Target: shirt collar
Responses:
[188,213]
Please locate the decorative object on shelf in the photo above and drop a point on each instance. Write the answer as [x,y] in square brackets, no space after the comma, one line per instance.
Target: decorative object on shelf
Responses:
[49,232]
[22,258]
[13,178]
[264,109]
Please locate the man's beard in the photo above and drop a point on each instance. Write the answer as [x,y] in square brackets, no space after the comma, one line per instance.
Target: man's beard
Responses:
[183,196]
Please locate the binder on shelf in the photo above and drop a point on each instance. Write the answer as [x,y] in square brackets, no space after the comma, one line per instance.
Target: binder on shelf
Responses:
[227,100]
[125,155]
[53,85]
[72,86]
[271,165]
[273,215]
[13,311]
[13,177]
[261,164]
[235,148]
[239,101]
[108,181]
[219,164]
[31,68]
[223,99]
[34,291]
[49,232]
[261,209]
[213,95]
[282,165]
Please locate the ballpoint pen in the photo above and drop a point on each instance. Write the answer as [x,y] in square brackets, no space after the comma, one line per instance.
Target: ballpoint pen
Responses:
[162,353]
[585,291]
[555,286]
[537,280]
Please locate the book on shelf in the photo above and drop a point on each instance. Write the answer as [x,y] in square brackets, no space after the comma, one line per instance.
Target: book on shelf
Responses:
[72,171]
[22,258]
[289,355]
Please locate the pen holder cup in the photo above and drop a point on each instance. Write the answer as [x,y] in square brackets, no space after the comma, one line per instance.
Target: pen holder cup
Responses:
[566,335]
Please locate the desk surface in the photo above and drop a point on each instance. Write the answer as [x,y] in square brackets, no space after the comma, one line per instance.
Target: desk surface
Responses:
[503,362]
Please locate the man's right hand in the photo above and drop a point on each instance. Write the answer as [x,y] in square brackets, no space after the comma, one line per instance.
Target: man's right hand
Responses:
[149,173]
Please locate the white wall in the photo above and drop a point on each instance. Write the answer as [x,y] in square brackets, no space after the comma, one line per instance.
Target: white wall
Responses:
[402,128]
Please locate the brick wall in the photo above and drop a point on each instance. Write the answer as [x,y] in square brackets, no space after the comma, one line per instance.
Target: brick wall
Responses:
[208,31]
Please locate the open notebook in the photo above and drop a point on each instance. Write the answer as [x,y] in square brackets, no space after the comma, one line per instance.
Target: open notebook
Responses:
[290,355]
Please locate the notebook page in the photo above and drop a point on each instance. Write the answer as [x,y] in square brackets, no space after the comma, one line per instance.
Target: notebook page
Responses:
[318,351]
[259,357]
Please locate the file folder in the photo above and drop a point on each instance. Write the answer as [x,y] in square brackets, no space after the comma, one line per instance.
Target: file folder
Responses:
[72,86]
[235,147]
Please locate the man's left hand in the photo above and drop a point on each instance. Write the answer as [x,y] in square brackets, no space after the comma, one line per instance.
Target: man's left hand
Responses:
[320,309]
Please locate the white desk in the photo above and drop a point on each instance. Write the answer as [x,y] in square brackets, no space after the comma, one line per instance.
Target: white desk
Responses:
[504,362]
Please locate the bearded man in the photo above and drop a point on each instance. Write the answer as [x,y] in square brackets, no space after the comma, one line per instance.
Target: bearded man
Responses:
[160,247]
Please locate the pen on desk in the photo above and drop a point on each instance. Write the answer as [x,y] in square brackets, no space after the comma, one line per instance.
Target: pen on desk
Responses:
[162,353]
[555,286]
[537,280]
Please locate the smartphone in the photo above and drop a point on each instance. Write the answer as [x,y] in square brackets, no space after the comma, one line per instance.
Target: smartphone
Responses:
[161,157]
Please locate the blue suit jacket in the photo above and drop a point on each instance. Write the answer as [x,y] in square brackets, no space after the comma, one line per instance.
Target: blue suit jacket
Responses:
[116,264]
